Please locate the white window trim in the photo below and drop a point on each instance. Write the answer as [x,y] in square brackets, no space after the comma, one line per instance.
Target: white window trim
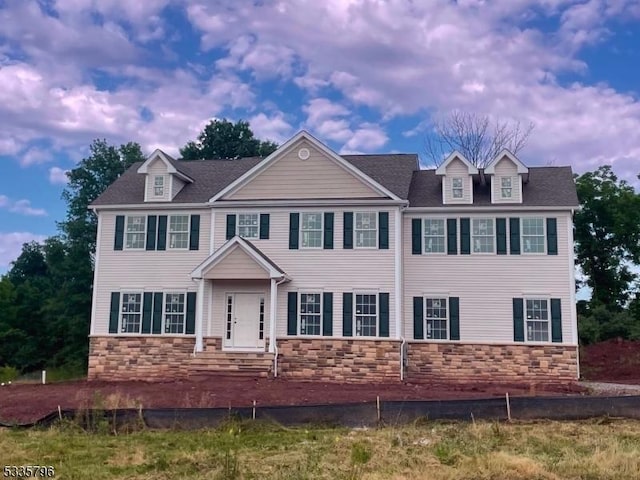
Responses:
[511,187]
[524,314]
[355,230]
[471,251]
[145,233]
[310,291]
[301,231]
[164,313]
[424,320]
[169,247]
[155,185]
[130,291]
[424,240]
[453,189]
[544,236]
[516,190]
[257,237]
[354,320]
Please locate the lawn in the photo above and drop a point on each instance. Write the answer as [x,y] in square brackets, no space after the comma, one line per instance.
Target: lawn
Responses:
[597,449]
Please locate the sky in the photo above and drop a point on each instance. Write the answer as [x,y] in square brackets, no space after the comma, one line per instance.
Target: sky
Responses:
[364,76]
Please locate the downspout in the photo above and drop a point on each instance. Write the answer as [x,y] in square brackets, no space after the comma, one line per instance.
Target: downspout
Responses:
[273,346]
[398,280]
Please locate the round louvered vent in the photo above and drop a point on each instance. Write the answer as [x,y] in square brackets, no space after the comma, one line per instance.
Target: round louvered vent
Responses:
[303,153]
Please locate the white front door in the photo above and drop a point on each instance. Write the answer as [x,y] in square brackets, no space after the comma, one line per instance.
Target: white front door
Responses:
[247,321]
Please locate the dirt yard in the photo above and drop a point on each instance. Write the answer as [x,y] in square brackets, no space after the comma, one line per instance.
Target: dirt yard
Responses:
[616,361]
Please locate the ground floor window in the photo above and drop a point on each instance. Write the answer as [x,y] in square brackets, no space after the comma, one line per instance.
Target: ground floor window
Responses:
[366,314]
[131,312]
[537,320]
[174,313]
[310,313]
[436,318]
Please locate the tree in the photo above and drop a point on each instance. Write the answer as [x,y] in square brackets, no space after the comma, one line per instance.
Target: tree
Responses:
[607,236]
[475,137]
[222,139]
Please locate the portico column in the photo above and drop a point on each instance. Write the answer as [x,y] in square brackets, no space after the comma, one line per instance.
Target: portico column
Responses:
[199,315]
[272,316]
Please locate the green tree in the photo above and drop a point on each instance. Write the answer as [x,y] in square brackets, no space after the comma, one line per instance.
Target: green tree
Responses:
[222,139]
[607,236]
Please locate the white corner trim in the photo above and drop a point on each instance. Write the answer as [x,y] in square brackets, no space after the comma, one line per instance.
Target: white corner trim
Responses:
[572,277]
[212,231]
[94,295]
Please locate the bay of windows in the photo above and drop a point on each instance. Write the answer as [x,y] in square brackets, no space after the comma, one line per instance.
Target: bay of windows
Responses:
[311,230]
[366,229]
[537,320]
[434,235]
[482,235]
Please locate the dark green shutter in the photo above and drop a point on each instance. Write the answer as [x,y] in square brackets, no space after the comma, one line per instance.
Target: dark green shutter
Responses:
[501,235]
[465,236]
[156,327]
[292,313]
[327,314]
[384,314]
[194,233]
[552,236]
[115,312]
[147,304]
[514,232]
[452,236]
[416,236]
[454,318]
[294,230]
[162,233]
[151,232]
[383,230]
[347,230]
[190,327]
[556,320]
[328,230]
[347,314]
[264,226]
[231,226]
[418,318]
[518,320]
[119,238]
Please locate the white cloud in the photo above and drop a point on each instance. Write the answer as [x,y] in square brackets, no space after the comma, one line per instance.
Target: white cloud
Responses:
[34,156]
[22,207]
[11,245]
[368,138]
[58,176]
[274,128]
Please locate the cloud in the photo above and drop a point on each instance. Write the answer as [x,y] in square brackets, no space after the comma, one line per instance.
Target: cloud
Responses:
[368,138]
[274,128]
[58,176]
[11,245]
[34,156]
[22,207]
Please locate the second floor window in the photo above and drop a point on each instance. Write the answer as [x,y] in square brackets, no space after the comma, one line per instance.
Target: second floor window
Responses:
[311,230]
[533,235]
[456,187]
[482,235]
[506,187]
[158,185]
[135,232]
[366,230]
[248,225]
[434,235]
[179,231]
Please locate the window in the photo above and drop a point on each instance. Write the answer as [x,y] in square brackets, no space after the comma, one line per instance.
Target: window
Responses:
[131,312]
[456,186]
[434,235]
[179,231]
[436,317]
[533,235]
[158,185]
[311,230]
[482,235]
[366,315]
[248,225]
[366,229]
[310,314]
[505,187]
[174,313]
[537,321]
[135,237]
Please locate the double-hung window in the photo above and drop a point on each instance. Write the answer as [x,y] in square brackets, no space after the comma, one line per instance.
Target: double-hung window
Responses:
[135,232]
[366,229]
[158,186]
[506,187]
[174,312]
[457,189]
[434,235]
[537,320]
[131,313]
[179,231]
[366,315]
[248,225]
[482,235]
[310,313]
[311,230]
[436,318]
[533,235]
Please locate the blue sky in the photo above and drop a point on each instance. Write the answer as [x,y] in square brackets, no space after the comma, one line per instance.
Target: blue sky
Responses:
[362,75]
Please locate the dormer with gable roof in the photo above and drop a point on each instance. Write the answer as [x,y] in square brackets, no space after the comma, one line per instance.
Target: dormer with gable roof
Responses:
[507,173]
[457,179]
[163,180]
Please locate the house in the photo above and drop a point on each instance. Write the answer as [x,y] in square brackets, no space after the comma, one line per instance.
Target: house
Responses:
[312,265]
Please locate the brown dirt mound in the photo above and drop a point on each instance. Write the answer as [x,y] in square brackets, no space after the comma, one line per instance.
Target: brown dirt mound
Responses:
[28,402]
[615,360]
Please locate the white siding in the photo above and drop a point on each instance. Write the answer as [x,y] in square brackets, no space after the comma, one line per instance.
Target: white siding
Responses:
[157,168]
[486,284]
[316,177]
[506,168]
[141,270]
[237,264]
[457,169]
[335,270]
[176,185]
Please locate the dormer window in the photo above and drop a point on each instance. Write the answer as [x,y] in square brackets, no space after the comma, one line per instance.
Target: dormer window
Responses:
[457,189]
[506,187]
[158,185]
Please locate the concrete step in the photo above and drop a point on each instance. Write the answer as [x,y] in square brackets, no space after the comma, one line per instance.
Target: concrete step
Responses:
[257,364]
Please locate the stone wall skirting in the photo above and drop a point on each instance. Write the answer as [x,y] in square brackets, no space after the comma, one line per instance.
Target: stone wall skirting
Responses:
[339,360]
[429,362]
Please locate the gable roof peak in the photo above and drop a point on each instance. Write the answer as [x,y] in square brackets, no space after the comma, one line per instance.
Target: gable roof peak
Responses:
[521,167]
[442,169]
[170,163]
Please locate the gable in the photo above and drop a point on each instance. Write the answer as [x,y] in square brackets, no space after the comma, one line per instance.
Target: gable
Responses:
[457,168]
[237,264]
[505,167]
[292,177]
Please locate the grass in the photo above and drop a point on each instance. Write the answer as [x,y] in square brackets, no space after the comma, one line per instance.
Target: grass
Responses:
[598,449]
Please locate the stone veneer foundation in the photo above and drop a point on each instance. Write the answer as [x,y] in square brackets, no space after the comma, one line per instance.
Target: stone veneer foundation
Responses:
[338,360]
[495,363]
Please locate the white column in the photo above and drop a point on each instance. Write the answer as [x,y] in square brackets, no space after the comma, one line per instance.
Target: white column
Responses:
[272,316]
[199,315]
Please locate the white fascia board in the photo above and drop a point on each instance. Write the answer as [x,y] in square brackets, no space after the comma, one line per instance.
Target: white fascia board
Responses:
[497,208]
[151,206]
[303,134]
[303,203]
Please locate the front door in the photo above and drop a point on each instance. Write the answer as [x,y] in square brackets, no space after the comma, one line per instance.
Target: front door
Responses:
[247,320]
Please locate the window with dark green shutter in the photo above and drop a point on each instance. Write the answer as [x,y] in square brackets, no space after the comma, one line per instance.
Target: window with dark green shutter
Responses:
[114,314]
[501,236]
[231,226]
[418,318]
[347,230]
[384,314]
[514,234]
[118,241]
[327,314]
[383,230]
[147,306]
[264,226]
[161,243]
[151,232]
[552,236]
[156,325]
[347,314]
[292,313]
[294,231]
[452,236]
[518,320]
[454,318]
[465,236]
[556,320]
[190,328]
[194,233]
[328,231]
[416,236]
